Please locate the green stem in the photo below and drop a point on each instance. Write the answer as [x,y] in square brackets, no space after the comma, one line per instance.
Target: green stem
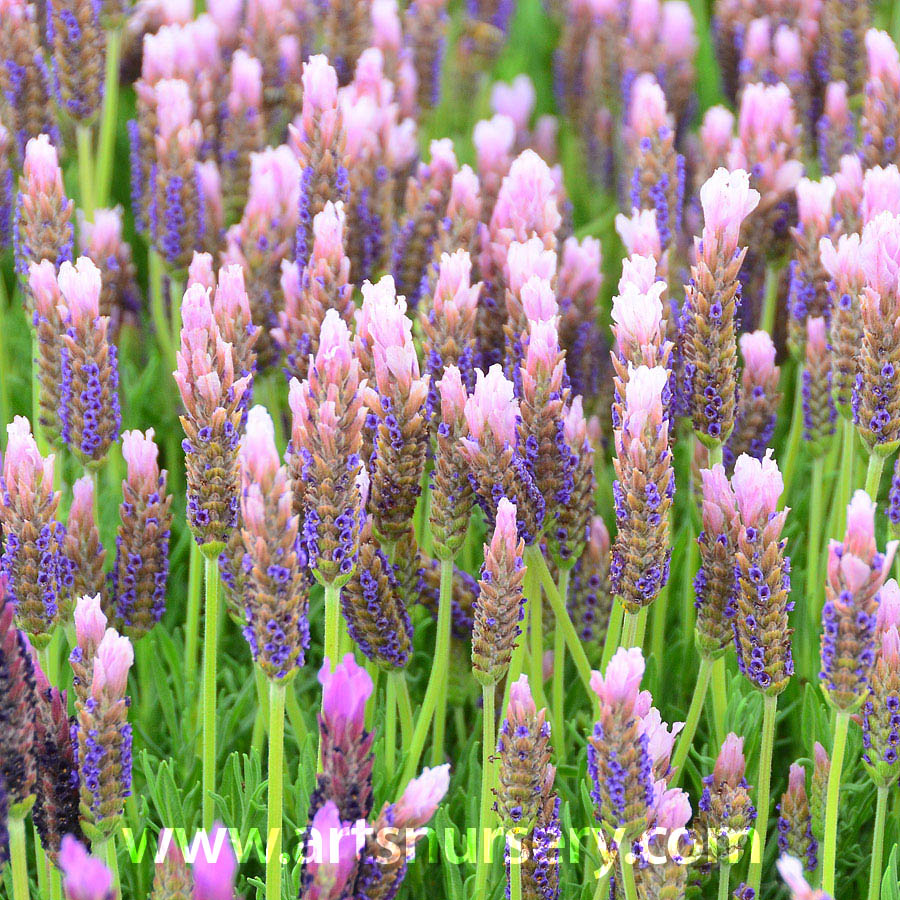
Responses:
[36,426]
[295,716]
[4,361]
[18,858]
[158,308]
[613,632]
[688,594]
[813,580]
[332,624]
[719,699]
[261,723]
[390,724]
[112,859]
[534,559]
[875,869]
[714,455]
[46,662]
[724,877]
[210,660]
[630,889]
[845,479]
[829,855]
[763,783]
[693,717]
[629,630]
[331,639]
[770,299]
[437,681]
[55,883]
[559,672]
[793,444]
[404,708]
[485,821]
[642,617]
[531,588]
[515,876]
[192,620]
[107,140]
[275,790]
[40,862]
[536,644]
[85,169]
[873,475]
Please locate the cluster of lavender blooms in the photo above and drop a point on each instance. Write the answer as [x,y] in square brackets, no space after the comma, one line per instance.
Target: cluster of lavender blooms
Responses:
[470,375]
[49,565]
[75,771]
[343,799]
[211,876]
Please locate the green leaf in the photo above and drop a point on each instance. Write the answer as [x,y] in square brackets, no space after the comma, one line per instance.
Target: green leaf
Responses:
[890,885]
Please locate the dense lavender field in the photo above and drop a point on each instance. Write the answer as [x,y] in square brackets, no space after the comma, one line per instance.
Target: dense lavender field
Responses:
[448,449]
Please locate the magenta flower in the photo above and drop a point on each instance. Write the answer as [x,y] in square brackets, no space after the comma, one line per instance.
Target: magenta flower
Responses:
[640,234]
[727,199]
[90,624]
[757,485]
[90,627]
[214,872]
[791,871]
[422,796]
[112,662]
[888,607]
[345,692]
[85,877]
[620,685]
[333,861]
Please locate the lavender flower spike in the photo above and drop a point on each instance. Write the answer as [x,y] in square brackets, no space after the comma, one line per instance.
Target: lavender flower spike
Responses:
[277,628]
[396,403]
[142,541]
[498,609]
[103,739]
[761,632]
[43,218]
[795,830]
[880,735]
[876,392]
[347,758]
[33,560]
[89,397]
[712,297]
[211,393]
[78,51]
[643,490]
[856,572]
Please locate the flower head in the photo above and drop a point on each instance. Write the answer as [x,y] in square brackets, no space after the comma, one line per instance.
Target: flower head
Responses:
[90,624]
[345,692]
[112,663]
[727,199]
[215,871]
[621,683]
[758,486]
[84,876]
[421,798]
